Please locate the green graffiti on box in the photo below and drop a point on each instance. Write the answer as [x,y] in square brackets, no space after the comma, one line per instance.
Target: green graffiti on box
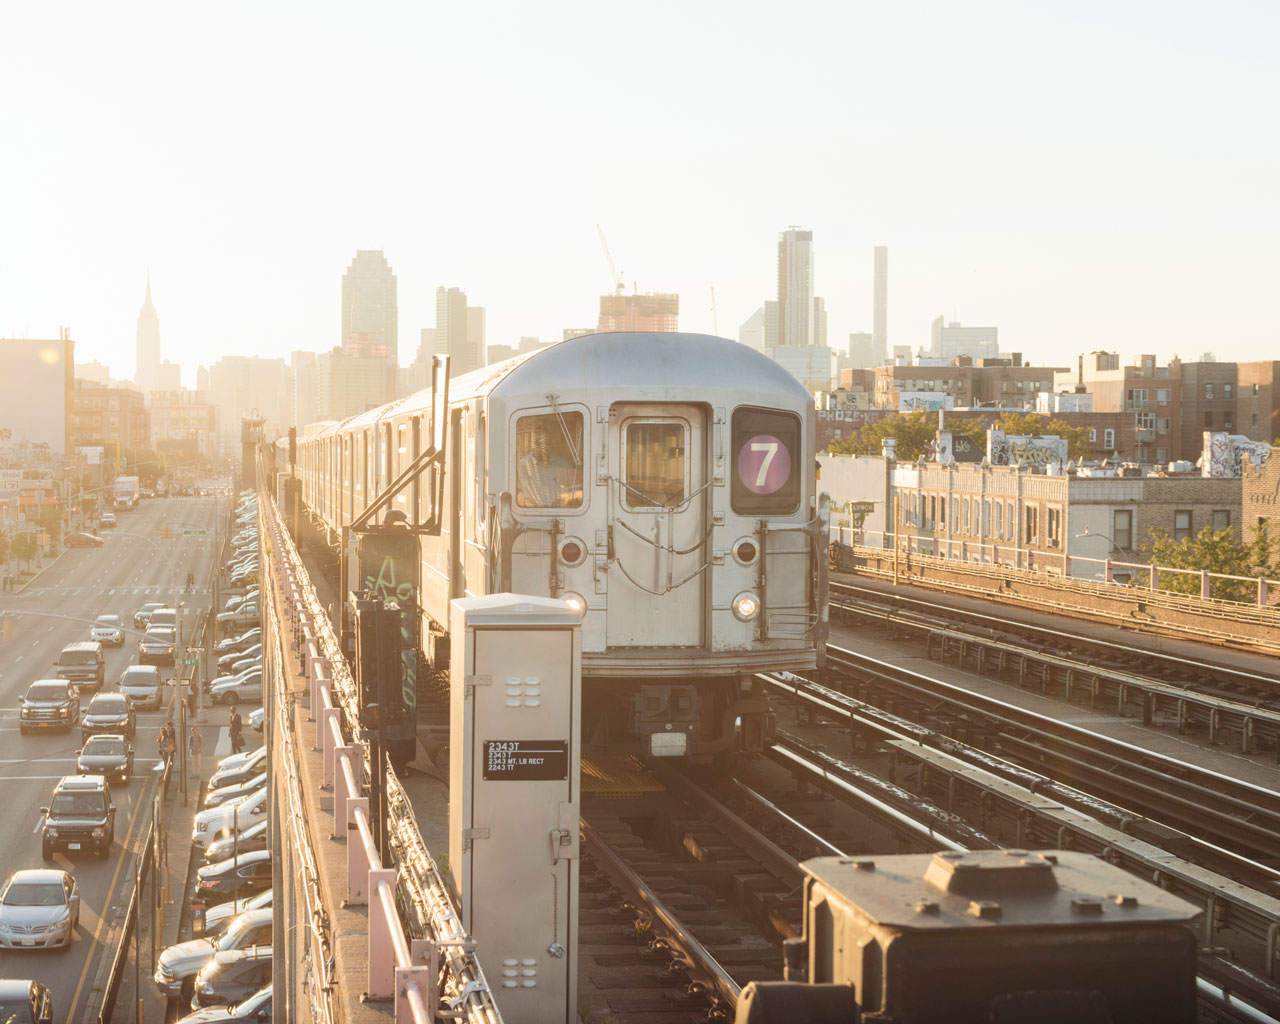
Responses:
[389,567]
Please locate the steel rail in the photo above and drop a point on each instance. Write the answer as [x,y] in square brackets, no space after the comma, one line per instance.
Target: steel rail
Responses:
[1229,798]
[1228,904]
[699,959]
[1056,634]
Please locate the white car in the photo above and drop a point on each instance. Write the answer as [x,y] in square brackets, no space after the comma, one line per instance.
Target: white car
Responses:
[39,909]
[212,821]
[106,629]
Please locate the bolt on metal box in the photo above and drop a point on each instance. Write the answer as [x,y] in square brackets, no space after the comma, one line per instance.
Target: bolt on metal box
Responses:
[997,935]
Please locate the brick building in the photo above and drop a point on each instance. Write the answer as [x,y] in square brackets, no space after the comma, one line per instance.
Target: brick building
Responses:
[1258,400]
[649,312]
[181,416]
[1006,383]
[100,414]
[1260,497]
[1064,523]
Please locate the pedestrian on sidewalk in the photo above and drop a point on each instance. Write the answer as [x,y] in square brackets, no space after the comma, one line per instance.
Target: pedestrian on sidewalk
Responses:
[235,730]
[195,747]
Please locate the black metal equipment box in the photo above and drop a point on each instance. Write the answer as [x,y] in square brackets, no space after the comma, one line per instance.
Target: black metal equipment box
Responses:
[999,936]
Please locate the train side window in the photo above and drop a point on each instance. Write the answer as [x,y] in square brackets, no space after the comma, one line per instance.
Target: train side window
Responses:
[549,460]
[766,462]
[655,470]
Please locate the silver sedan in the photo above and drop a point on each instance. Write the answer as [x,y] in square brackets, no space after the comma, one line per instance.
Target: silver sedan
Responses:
[39,909]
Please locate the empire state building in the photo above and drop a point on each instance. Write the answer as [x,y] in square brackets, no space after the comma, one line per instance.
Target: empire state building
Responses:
[147,369]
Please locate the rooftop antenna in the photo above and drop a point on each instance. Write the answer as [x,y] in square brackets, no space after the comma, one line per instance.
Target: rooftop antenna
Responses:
[715,320]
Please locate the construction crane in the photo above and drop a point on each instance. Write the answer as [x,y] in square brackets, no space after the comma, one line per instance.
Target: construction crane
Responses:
[616,280]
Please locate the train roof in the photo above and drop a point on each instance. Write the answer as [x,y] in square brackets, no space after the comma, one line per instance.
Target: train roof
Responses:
[639,359]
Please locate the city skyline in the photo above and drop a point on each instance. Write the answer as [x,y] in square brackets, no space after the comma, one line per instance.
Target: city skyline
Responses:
[1129,209]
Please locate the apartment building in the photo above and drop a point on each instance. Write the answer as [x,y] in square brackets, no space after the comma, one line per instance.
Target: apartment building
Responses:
[1018,517]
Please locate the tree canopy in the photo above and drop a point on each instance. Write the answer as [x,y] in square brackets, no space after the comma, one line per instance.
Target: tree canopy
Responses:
[1218,551]
[915,431]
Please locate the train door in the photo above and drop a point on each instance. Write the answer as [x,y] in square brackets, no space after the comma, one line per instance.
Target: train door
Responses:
[659,524]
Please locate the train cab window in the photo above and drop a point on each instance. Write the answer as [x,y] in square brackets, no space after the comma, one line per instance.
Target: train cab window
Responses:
[655,470]
[766,462]
[549,460]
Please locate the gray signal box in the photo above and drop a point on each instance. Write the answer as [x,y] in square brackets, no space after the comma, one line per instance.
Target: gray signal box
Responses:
[514,726]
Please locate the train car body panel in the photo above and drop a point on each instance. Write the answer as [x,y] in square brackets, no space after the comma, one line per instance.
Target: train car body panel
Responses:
[662,483]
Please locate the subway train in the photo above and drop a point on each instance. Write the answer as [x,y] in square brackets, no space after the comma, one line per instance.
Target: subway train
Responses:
[662,484]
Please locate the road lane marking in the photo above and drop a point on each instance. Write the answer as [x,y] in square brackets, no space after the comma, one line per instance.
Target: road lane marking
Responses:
[115,878]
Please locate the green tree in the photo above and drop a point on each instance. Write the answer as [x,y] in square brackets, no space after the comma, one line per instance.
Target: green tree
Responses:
[24,548]
[1219,551]
[914,432]
[51,520]
[1033,423]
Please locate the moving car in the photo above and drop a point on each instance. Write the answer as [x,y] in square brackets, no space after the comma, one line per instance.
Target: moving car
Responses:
[109,755]
[212,822]
[48,704]
[82,540]
[179,963]
[157,645]
[109,712]
[231,690]
[107,521]
[142,617]
[251,1010]
[39,909]
[106,629]
[140,685]
[80,816]
[82,663]
[248,873]
[256,718]
[252,838]
[25,1002]
[232,976]
[217,919]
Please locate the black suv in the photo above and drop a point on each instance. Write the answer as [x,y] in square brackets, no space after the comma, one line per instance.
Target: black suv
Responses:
[80,816]
[82,663]
[49,704]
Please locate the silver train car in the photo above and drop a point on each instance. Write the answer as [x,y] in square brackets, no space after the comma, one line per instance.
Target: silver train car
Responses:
[662,484]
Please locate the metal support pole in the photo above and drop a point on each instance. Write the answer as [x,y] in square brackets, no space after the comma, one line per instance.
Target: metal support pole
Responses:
[182,743]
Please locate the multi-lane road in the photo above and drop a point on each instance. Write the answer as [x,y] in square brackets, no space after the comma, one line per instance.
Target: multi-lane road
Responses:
[135,565]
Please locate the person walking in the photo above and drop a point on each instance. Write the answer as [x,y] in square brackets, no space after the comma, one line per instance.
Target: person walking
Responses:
[195,747]
[234,730]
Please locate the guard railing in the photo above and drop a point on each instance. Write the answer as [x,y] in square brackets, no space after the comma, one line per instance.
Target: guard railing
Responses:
[438,973]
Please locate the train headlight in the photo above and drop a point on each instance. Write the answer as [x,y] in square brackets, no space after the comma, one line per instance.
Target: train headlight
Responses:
[575,601]
[746,606]
[745,551]
[572,552]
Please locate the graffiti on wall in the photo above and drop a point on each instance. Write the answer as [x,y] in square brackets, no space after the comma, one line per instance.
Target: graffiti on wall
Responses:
[1021,450]
[1223,454]
[389,566]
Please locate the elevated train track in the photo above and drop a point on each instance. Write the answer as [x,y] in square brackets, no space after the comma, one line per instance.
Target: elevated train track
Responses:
[1221,702]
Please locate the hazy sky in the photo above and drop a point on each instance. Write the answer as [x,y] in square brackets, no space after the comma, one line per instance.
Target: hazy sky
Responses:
[1091,175]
